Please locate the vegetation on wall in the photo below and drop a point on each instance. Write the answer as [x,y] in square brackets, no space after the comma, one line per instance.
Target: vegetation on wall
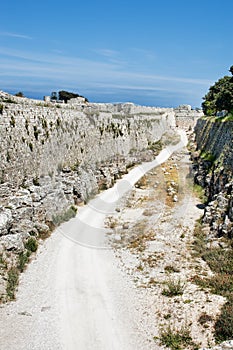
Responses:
[220,96]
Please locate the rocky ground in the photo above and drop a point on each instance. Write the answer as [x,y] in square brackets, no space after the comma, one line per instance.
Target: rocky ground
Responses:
[152,234]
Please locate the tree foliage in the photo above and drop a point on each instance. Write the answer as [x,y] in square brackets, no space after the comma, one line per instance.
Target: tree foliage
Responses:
[53,96]
[219,96]
[65,95]
[19,94]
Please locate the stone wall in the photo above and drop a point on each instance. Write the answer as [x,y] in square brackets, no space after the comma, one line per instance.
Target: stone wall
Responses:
[213,166]
[216,137]
[39,138]
[186,117]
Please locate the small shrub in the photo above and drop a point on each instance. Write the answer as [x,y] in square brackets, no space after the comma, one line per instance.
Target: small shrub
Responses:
[19,94]
[23,260]
[31,245]
[200,193]
[65,216]
[170,268]
[12,282]
[207,156]
[224,324]
[173,288]
[1,108]
[155,146]
[175,339]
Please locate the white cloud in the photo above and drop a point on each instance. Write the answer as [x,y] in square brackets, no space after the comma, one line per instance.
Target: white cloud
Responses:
[15,35]
[40,71]
[106,52]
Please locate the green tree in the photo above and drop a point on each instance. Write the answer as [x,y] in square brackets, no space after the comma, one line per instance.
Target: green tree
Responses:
[53,96]
[19,94]
[65,95]
[219,96]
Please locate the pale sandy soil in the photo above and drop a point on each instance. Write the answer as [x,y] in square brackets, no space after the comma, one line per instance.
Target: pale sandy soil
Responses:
[156,248]
[90,287]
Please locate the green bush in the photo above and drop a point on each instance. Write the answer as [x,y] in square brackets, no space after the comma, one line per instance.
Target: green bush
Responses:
[65,216]
[12,282]
[23,260]
[31,245]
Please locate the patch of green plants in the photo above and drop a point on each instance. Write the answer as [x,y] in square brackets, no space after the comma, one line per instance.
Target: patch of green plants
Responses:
[228,118]
[224,325]
[1,108]
[12,282]
[155,146]
[221,284]
[207,156]
[31,245]
[173,288]
[220,260]
[176,339]
[65,216]
[200,192]
[23,259]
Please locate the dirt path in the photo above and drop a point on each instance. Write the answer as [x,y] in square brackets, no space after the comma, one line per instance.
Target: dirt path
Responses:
[82,293]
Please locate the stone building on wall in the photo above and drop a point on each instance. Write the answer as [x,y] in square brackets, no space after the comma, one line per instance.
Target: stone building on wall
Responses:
[77,101]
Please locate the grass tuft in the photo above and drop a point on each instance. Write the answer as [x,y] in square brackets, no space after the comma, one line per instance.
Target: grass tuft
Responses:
[173,288]
[176,339]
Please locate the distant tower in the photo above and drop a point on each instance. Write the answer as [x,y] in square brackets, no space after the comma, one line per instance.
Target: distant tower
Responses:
[47,98]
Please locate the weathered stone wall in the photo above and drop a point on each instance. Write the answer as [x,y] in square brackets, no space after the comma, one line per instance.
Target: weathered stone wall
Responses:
[216,138]
[186,117]
[213,165]
[37,139]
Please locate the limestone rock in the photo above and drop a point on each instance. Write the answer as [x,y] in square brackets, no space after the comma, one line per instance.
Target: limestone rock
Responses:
[5,221]
[13,242]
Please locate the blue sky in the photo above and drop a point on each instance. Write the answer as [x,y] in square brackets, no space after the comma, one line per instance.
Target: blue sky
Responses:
[152,52]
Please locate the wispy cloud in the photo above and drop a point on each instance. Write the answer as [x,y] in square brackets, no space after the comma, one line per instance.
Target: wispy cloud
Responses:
[41,71]
[60,64]
[15,35]
[107,52]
